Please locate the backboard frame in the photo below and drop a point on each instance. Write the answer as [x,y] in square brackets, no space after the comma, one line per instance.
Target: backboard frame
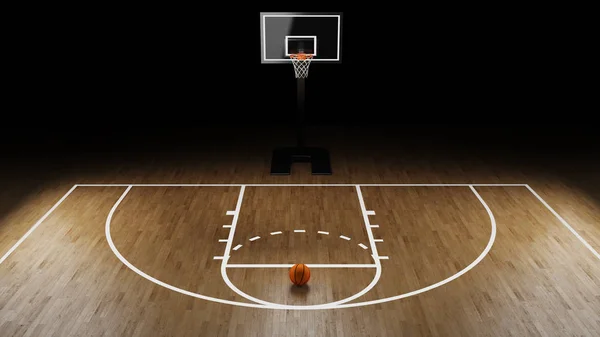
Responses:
[263,38]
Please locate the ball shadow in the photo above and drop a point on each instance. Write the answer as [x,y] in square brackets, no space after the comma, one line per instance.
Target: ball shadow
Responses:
[299,291]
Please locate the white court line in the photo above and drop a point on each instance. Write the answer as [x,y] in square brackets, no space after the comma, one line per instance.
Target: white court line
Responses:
[226,226]
[276,233]
[324,233]
[12,249]
[565,223]
[333,305]
[292,185]
[299,231]
[378,240]
[363,246]
[255,238]
[316,306]
[222,240]
[344,237]
[374,226]
[115,251]
[368,226]
[217,258]
[309,265]
[230,212]
[370,212]
[237,247]
[444,281]
[233,225]
[384,258]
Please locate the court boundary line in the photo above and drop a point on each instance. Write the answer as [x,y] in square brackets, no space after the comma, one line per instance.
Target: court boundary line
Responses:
[298,185]
[564,222]
[37,224]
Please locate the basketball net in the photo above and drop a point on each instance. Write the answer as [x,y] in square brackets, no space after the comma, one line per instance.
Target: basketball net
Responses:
[301,63]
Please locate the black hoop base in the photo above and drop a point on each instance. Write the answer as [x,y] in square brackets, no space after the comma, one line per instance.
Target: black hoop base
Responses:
[283,158]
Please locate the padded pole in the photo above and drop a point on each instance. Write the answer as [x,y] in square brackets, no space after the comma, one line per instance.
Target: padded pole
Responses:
[300,112]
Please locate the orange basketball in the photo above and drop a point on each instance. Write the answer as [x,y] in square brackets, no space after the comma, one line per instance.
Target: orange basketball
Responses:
[299,274]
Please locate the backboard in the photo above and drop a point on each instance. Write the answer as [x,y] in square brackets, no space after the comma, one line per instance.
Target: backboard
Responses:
[282,34]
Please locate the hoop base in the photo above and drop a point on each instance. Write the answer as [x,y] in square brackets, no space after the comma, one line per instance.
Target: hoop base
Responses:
[283,158]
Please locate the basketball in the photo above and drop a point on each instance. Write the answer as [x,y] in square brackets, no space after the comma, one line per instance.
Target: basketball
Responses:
[299,274]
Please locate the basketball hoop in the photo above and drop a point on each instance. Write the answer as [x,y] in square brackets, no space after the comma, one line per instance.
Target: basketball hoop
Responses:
[301,63]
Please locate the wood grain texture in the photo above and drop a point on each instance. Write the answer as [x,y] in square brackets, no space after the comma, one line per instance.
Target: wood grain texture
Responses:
[335,210]
[537,280]
[172,233]
[428,233]
[22,204]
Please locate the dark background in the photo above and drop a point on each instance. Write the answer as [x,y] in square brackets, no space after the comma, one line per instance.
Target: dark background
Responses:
[102,78]
[156,94]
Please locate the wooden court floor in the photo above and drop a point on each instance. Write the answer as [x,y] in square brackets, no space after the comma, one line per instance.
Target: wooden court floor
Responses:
[469,259]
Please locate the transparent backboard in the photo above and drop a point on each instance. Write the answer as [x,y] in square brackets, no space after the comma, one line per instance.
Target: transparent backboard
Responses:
[318,34]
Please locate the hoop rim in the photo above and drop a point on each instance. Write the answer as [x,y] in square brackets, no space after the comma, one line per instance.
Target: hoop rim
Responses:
[301,56]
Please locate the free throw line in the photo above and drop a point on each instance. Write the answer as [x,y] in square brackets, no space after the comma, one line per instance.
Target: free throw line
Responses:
[309,265]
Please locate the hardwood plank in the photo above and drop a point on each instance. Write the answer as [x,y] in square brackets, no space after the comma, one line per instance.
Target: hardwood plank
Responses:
[32,203]
[429,234]
[326,285]
[335,210]
[172,233]
[537,280]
